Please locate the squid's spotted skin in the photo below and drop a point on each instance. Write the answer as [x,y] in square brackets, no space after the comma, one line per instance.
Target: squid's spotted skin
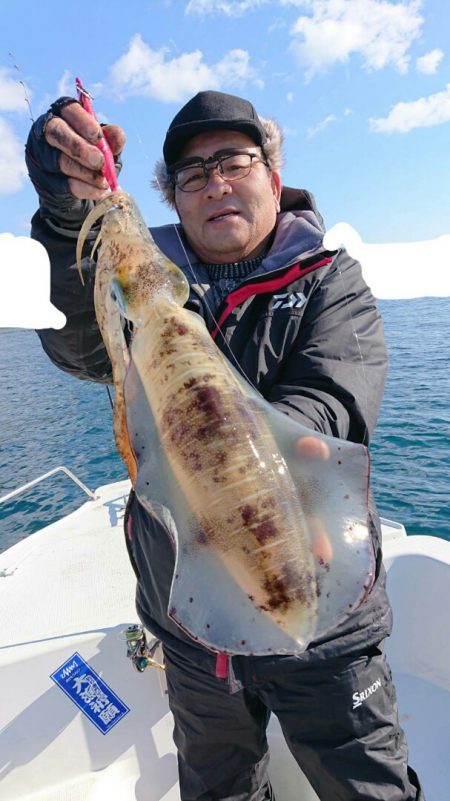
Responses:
[125,250]
[223,459]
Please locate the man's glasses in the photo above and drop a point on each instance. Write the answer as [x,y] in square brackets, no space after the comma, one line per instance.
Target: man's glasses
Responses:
[232,166]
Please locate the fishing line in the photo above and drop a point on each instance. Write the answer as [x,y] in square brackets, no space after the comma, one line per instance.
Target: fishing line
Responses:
[23,85]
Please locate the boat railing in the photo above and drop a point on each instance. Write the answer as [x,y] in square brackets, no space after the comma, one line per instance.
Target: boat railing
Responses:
[60,468]
[391,530]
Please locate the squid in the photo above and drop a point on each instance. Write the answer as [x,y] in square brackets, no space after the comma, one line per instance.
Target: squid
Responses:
[269,522]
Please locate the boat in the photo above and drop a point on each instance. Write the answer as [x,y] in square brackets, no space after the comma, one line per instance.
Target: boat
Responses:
[78,721]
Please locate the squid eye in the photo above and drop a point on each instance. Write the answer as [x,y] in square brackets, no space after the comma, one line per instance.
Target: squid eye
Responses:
[117,296]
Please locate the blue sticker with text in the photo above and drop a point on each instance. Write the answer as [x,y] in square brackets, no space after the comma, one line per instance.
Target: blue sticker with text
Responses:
[90,693]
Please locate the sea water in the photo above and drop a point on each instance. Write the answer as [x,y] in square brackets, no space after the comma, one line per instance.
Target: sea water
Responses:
[49,418]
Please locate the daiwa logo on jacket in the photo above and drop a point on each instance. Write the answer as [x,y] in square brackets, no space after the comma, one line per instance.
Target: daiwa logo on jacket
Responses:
[289,300]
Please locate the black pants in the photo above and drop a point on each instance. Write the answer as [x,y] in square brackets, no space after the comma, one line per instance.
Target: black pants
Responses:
[339,720]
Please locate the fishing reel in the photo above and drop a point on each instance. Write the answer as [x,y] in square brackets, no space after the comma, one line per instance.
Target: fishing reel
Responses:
[139,650]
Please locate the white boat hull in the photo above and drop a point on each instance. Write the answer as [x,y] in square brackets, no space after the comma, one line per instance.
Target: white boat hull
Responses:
[69,589]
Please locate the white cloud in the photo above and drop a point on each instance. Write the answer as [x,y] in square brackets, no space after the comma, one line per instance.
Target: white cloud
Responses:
[277,24]
[235,70]
[231,8]
[429,63]
[12,164]
[321,126]
[12,93]
[379,31]
[421,113]
[395,271]
[290,97]
[154,73]
[66,85]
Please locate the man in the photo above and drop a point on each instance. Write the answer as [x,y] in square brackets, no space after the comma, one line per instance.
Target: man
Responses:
[304,328]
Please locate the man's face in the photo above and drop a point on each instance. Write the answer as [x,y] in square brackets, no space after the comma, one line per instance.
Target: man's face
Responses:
[228,221]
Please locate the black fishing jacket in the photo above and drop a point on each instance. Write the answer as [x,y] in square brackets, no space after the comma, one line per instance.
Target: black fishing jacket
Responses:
[303,328]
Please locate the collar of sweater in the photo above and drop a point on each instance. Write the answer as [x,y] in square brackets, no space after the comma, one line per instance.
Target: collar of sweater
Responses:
[237,269]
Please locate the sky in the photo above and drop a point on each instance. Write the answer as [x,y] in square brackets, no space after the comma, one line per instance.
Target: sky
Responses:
[361,89]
